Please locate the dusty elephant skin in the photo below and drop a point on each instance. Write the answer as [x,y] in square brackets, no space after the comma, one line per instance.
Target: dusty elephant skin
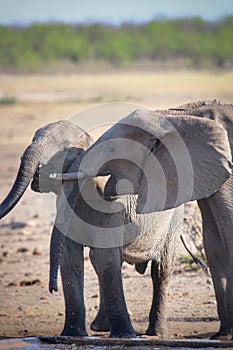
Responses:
[202,133]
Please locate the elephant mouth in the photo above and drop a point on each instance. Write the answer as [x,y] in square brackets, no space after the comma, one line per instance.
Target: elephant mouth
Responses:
[43,184]
[35,184]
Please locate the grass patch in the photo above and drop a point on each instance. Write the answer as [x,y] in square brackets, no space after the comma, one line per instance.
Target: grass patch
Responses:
[8,100]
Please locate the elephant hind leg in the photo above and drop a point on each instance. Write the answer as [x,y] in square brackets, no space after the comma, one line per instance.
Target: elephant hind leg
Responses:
[108,267]
[157,317]
[216,242]
[161,273]
[100,323]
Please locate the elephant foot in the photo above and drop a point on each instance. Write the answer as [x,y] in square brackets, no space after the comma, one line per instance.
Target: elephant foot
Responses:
[71,331]
[224,336]
[100,323]
[123,332]
[159,331]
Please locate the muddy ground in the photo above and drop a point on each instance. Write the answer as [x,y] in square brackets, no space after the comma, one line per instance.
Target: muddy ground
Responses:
[26,307]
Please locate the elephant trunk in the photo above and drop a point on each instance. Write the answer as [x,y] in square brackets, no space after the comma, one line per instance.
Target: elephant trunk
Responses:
[29,163]
[47,142]
[56,249]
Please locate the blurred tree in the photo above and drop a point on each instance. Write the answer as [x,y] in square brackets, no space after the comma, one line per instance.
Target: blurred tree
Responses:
[201,43]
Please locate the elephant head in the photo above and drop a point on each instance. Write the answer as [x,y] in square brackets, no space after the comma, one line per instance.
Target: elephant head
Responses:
[47,142]
[61,161]
[165,159]
[53,149]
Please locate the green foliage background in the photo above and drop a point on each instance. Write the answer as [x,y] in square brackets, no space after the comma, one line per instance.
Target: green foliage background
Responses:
[193,42]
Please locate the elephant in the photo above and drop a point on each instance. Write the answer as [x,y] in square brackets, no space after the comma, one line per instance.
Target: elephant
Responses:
[135,238]
[51,148]
[170,157]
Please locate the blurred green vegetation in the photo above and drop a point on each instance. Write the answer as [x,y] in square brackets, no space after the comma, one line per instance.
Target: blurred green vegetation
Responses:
[8,100]
[193,42]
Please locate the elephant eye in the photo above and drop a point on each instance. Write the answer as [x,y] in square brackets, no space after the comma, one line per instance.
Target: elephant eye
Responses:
[155,145]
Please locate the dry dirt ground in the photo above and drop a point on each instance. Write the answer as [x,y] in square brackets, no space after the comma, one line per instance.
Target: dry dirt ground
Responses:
[26,307]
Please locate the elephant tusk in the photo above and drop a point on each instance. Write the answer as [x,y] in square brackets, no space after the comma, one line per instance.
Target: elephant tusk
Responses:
[76,175]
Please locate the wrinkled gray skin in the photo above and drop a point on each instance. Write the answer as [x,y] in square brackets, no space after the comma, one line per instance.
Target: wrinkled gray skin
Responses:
[59,147]
[209,145]
[217,214]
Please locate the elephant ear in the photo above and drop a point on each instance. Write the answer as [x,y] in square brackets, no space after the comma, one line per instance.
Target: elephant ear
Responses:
[191,162]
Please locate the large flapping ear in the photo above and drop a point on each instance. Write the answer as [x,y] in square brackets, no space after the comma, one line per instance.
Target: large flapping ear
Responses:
[191,162]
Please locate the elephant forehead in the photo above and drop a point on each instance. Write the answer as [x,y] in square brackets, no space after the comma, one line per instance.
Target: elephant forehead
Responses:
[149,122]
[115,149]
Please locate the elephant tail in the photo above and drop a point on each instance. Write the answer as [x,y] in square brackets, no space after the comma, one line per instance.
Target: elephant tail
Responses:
[197,260]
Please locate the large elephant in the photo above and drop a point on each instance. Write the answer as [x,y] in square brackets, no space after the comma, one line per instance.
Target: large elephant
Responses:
[115,233]
[111,228]
[171,157]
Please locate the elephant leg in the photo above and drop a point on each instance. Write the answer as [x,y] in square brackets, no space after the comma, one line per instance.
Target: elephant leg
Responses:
[160,274]
[217,232]
[72,274]
[108,263]
[157,317]
[100,323]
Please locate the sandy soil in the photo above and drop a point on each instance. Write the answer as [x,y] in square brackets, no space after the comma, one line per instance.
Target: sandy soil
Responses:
[26,307]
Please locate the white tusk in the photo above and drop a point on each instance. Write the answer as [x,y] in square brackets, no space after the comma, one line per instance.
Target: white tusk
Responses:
[76,175]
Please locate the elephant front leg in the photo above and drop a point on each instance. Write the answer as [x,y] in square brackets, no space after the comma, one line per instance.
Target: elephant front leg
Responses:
[157,317]
[72,274]
[108,263]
